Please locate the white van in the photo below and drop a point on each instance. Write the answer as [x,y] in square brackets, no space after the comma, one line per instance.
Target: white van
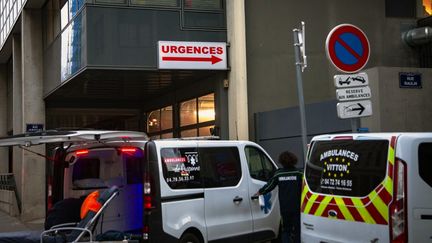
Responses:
[179,190]
[368,187]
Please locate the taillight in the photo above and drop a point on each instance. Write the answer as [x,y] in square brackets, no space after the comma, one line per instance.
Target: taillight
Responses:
[398,207]
[343,138]
[128,150]
[147,202]
[82,152]
[49,196]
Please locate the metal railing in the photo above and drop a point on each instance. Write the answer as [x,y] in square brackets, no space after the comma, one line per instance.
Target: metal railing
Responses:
[7,182]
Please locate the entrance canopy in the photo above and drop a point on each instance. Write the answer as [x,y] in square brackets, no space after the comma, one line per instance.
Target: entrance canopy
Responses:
[124,89]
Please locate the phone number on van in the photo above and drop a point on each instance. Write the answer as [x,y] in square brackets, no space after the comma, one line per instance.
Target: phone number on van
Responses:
[340,184]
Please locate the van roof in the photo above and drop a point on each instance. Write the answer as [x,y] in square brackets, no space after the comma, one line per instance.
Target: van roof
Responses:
[383,135]
[200,141]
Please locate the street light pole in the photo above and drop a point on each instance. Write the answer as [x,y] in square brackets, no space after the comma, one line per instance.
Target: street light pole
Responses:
[301,64]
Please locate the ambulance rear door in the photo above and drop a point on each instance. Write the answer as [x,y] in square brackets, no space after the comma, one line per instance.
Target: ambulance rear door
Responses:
[415,150]
[347,190]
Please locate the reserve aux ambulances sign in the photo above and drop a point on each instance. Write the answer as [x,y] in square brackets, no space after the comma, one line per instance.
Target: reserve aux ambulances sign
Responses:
[192,55]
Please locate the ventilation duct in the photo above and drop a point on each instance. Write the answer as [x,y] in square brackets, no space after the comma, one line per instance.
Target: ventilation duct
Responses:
[418,36]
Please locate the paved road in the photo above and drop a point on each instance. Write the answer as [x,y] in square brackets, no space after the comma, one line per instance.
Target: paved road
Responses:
[10,224]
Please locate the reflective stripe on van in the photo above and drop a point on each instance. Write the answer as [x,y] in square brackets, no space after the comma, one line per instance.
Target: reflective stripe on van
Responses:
[371,209]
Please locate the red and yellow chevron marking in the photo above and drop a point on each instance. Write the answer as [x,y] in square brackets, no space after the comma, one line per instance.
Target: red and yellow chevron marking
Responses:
[371,209]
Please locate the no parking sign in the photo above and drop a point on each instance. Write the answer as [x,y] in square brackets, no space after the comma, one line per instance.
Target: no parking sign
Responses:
[347,47]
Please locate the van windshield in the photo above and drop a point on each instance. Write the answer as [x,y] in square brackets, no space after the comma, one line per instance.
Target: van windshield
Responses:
[346,167]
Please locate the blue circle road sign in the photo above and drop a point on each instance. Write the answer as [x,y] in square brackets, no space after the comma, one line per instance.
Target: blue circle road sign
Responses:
[347,47]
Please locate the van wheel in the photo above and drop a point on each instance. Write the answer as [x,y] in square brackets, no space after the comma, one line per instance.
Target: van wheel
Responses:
[189,238]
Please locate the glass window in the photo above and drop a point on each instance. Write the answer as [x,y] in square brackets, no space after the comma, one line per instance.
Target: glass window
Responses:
[205,131]
[86,168]
[206,108]
[64,15]
[154,137]
[111,1]
[168,3]
[221,166]
[260,166]
[153,121]
[203,4]
[189,133]
[400,8]
[167,135]
[181,167]
[347,167]
[166,118]
[160,120]
[427,6]
[425,162]
[188,112]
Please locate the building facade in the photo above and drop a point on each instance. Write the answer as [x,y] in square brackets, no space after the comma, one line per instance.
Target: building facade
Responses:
[68,64]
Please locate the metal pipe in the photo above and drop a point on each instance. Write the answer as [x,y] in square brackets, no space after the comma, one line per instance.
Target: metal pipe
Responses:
[417,36]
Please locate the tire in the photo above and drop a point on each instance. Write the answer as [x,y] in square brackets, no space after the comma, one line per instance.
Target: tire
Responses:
[189,238]
[279,238]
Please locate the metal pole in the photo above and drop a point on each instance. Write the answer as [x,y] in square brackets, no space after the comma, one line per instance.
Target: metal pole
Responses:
[299,65]
[355,124]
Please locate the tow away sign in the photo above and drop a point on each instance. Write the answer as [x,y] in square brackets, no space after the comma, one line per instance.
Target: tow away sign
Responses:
[351,80]
[192,55]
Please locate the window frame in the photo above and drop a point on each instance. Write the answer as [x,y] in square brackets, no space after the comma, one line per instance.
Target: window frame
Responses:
[262,155]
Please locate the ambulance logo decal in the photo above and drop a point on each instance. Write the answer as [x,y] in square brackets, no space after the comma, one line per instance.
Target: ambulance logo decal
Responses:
[267,203]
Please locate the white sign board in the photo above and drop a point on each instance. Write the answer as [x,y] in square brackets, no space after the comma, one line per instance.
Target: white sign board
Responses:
[351,80]
[356,93]
[354,109]
[192,55]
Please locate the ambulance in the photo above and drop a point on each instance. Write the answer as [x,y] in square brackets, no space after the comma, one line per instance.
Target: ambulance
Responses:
[193,190]
[368,187]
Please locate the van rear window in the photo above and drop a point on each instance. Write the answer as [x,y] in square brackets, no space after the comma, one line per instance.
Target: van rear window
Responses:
[425,162]
[346,167]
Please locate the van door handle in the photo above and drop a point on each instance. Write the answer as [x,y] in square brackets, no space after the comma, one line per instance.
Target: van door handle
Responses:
[237,199]
[254,197]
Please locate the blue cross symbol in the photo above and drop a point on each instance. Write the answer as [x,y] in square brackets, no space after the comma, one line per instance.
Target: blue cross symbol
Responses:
[267,203]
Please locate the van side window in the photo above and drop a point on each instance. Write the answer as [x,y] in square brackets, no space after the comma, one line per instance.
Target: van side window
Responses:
[221,166]
[260,166]
[425,162]
[181,167]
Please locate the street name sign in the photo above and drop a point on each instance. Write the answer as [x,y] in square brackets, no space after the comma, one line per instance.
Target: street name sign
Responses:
[356,93]
[192,55]
[347,48]
[354,109]
[351,80]
[410,80]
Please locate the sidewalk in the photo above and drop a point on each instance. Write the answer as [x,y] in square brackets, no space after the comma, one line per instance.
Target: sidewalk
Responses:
[10,224]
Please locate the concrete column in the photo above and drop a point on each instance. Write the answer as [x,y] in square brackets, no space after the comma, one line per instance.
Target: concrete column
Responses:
[237,91]
[3,117]
[33,112]
[17,107]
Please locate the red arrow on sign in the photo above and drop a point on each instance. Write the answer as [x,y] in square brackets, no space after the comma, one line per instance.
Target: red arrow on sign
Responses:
[212,59]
